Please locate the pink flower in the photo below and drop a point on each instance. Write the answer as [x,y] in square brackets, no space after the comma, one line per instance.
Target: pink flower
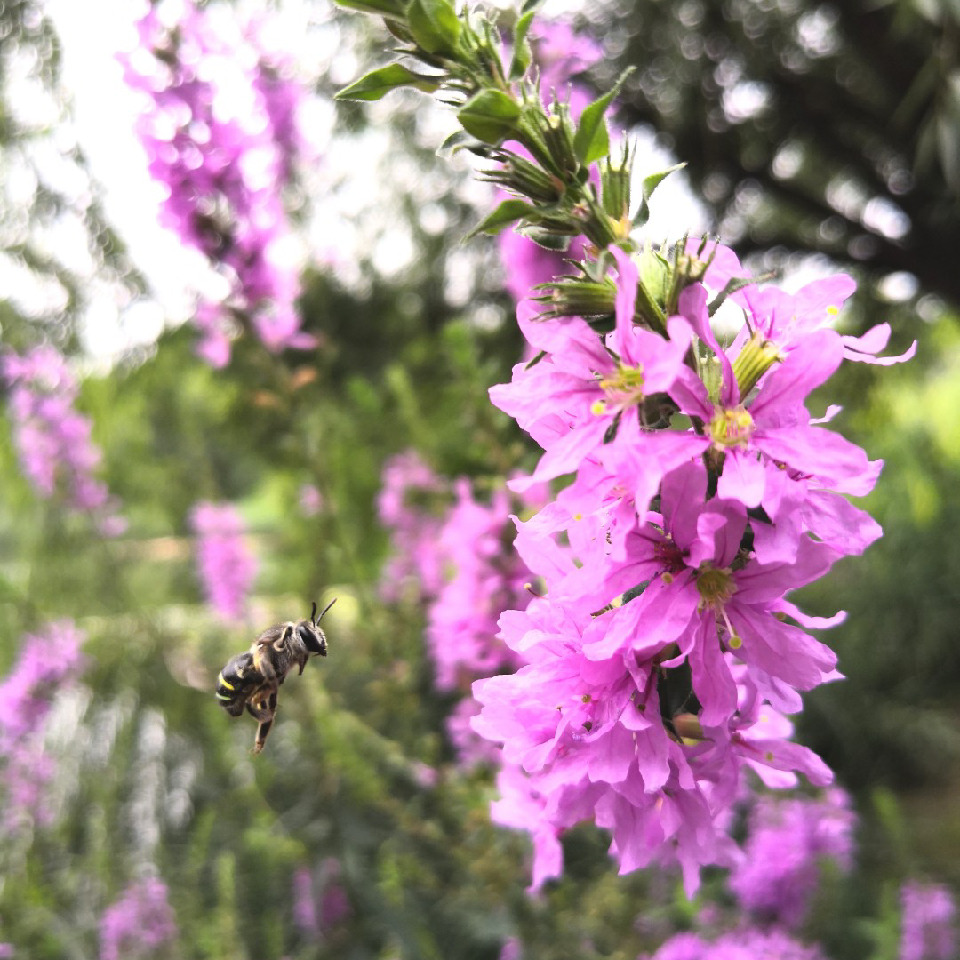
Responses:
[55,443]
[585,389]
[788,838]
[408,505]
[225,564]
[928,922]
[139,924]
[221,128]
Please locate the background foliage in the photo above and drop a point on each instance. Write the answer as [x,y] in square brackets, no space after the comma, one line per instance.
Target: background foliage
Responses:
[357,786]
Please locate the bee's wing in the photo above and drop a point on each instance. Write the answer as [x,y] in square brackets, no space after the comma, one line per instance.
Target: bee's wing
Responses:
[272,635]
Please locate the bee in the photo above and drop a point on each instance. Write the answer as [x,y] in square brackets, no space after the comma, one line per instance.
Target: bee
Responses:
[250,680]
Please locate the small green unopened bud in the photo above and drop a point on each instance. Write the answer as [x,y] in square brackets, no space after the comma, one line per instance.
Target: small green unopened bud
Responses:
[579,298]
[527,179]
[595,225]
[558,136]
[754,360]
[615,188]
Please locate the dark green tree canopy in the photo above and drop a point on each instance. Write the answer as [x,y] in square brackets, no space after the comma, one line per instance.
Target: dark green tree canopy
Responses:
[815,127]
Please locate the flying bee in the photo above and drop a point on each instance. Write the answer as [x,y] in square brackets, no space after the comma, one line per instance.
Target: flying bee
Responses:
[250,680]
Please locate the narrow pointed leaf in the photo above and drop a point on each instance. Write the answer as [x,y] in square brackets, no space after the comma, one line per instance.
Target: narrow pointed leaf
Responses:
[522,54]
[592,141]
[381,81]
[384,8]
[510,211]
[650,183]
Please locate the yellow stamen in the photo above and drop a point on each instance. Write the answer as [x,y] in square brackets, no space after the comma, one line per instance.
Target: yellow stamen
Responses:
[731,427]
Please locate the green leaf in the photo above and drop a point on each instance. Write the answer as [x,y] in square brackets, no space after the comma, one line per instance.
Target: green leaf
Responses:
[592,141]
[650,183]
[453,143]
[383,8]
[508,212]
[522,54]
[529,6]
[381,81]
[490,116]
[434,25]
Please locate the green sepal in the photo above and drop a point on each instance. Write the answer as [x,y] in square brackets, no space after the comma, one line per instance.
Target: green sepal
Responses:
[458,140]
[529,6]
[650,183]
[491,116]
[510,211]
[383,8]
[434,25]
[555,242]
[522,54]
[654,275]
[377,83]
[592,141]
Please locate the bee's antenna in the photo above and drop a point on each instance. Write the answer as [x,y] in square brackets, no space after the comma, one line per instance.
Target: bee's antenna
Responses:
[325,609]
[313,613]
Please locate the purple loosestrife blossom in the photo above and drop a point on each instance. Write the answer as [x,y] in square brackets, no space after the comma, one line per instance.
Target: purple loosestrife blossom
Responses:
[787,840]
[664,657]
[468,575]
[408,508]
[220,127]
[57,453]
[48,661]
[487,579]
[744,944]
[139,924]
[305,904]
[225,564]
[928,922]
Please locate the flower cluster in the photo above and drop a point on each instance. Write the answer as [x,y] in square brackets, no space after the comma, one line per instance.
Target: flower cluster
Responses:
[225,564]
[928,922]
[664,658]
[467,573]
[787,838]
[485,577]
[139,923]
[221,130]
[316,916]
[744,944]
[47,661]
[57,453]
[409,507]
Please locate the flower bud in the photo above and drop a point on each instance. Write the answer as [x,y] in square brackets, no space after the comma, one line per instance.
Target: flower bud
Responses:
[579,298]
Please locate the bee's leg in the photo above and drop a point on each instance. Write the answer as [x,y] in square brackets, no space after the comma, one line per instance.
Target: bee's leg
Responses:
[263,731]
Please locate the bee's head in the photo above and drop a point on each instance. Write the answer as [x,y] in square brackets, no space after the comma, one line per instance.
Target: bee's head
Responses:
[310,633]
